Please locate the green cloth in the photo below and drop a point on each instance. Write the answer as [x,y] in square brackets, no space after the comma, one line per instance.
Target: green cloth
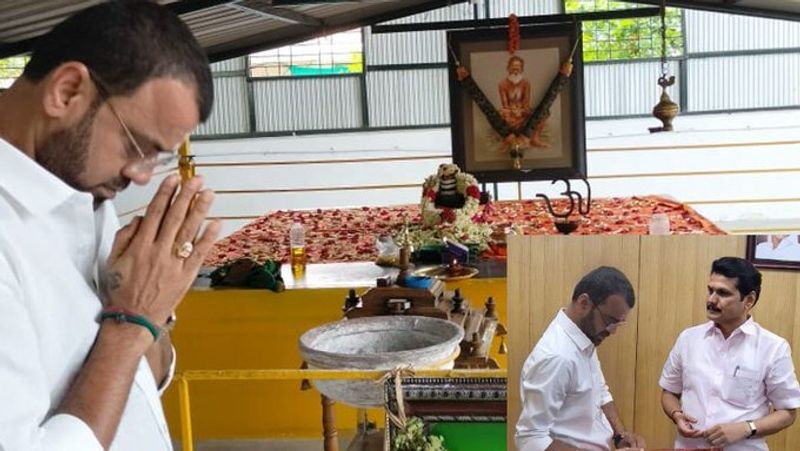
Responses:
[249,274]
[468,436]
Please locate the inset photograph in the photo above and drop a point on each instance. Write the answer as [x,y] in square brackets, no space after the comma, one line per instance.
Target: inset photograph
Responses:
[630,342]
[774,251]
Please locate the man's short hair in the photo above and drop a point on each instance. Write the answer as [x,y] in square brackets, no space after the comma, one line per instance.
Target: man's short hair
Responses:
[126,44]
[748,278]
[603,282]
[515,58]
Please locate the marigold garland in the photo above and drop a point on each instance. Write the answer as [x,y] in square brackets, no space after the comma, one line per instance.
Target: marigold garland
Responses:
[513,34]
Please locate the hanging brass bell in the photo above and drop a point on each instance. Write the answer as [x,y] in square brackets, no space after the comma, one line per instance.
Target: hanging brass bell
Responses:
[665,110]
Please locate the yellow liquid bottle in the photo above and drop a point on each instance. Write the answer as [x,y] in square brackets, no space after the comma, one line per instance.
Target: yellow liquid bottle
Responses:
[297,246]
[298,259]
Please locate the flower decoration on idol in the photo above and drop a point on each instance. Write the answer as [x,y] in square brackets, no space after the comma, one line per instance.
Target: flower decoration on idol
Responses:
[448,195]
[450,208]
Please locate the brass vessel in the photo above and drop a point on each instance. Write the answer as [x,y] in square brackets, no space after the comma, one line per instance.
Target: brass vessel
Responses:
[666,110]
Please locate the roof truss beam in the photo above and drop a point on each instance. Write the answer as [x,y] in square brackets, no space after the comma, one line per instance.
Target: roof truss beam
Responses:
[265,8]
[727,6]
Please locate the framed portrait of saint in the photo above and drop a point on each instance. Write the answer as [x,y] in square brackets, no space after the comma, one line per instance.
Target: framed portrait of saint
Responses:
[518,116]
[774,251]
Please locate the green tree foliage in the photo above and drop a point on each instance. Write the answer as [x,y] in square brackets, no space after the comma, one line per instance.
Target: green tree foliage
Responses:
[10,69]
[623,39]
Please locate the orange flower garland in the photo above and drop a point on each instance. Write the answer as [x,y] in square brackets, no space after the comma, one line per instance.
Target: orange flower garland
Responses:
[513,34]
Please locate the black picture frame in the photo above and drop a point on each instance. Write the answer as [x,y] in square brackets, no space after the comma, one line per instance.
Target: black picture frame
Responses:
[779,255]
[476,147]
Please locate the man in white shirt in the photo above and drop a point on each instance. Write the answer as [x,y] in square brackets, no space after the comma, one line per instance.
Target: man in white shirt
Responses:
[566,402]
[729,382]
[779,247]
[83,351]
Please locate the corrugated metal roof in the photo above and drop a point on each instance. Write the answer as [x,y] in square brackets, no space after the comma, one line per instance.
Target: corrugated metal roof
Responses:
[225,28]
[21,20]
[230,28]
[776,9]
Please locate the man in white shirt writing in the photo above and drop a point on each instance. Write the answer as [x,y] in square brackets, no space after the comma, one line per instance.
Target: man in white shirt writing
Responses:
[729,382]
[566,402]
[83,348]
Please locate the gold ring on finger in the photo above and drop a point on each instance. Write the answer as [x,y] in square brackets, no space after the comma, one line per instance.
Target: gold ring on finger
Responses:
[184,250]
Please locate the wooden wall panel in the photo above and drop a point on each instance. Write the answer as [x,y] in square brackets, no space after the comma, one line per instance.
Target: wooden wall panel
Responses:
[525,270]
[776,311]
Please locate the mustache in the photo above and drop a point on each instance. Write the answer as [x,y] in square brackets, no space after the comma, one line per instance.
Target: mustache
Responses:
[710,307]
[119,184]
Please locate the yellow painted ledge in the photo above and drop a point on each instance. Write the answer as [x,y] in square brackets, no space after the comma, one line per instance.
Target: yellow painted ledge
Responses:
[259,330]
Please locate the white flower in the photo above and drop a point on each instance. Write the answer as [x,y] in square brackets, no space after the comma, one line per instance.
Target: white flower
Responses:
[463,229]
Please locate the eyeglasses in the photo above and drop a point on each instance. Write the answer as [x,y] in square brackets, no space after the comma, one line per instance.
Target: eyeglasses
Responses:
[611,325]
[145,163]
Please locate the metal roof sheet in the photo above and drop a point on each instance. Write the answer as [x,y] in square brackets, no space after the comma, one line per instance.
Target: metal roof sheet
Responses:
[230,28]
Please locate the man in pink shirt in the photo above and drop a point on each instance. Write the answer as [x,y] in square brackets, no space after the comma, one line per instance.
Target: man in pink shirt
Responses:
[729,382]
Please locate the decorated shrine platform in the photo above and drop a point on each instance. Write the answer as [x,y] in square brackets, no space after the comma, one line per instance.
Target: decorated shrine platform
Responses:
[348,235]
[239,328]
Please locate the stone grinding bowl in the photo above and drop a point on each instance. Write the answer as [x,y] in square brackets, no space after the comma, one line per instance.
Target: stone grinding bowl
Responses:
[377,343]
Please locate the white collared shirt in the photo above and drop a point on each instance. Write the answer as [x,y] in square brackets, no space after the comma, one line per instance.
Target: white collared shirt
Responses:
[733,380]
[563,391]
[52,245]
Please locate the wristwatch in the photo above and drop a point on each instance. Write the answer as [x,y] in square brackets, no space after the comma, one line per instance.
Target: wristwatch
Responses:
[617,438]
[170,322]
[753,430]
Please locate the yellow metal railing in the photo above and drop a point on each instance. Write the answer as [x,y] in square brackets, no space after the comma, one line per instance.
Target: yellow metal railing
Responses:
[183,378]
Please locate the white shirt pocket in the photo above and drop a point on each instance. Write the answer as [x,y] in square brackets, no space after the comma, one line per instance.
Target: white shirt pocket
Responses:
[740,387]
